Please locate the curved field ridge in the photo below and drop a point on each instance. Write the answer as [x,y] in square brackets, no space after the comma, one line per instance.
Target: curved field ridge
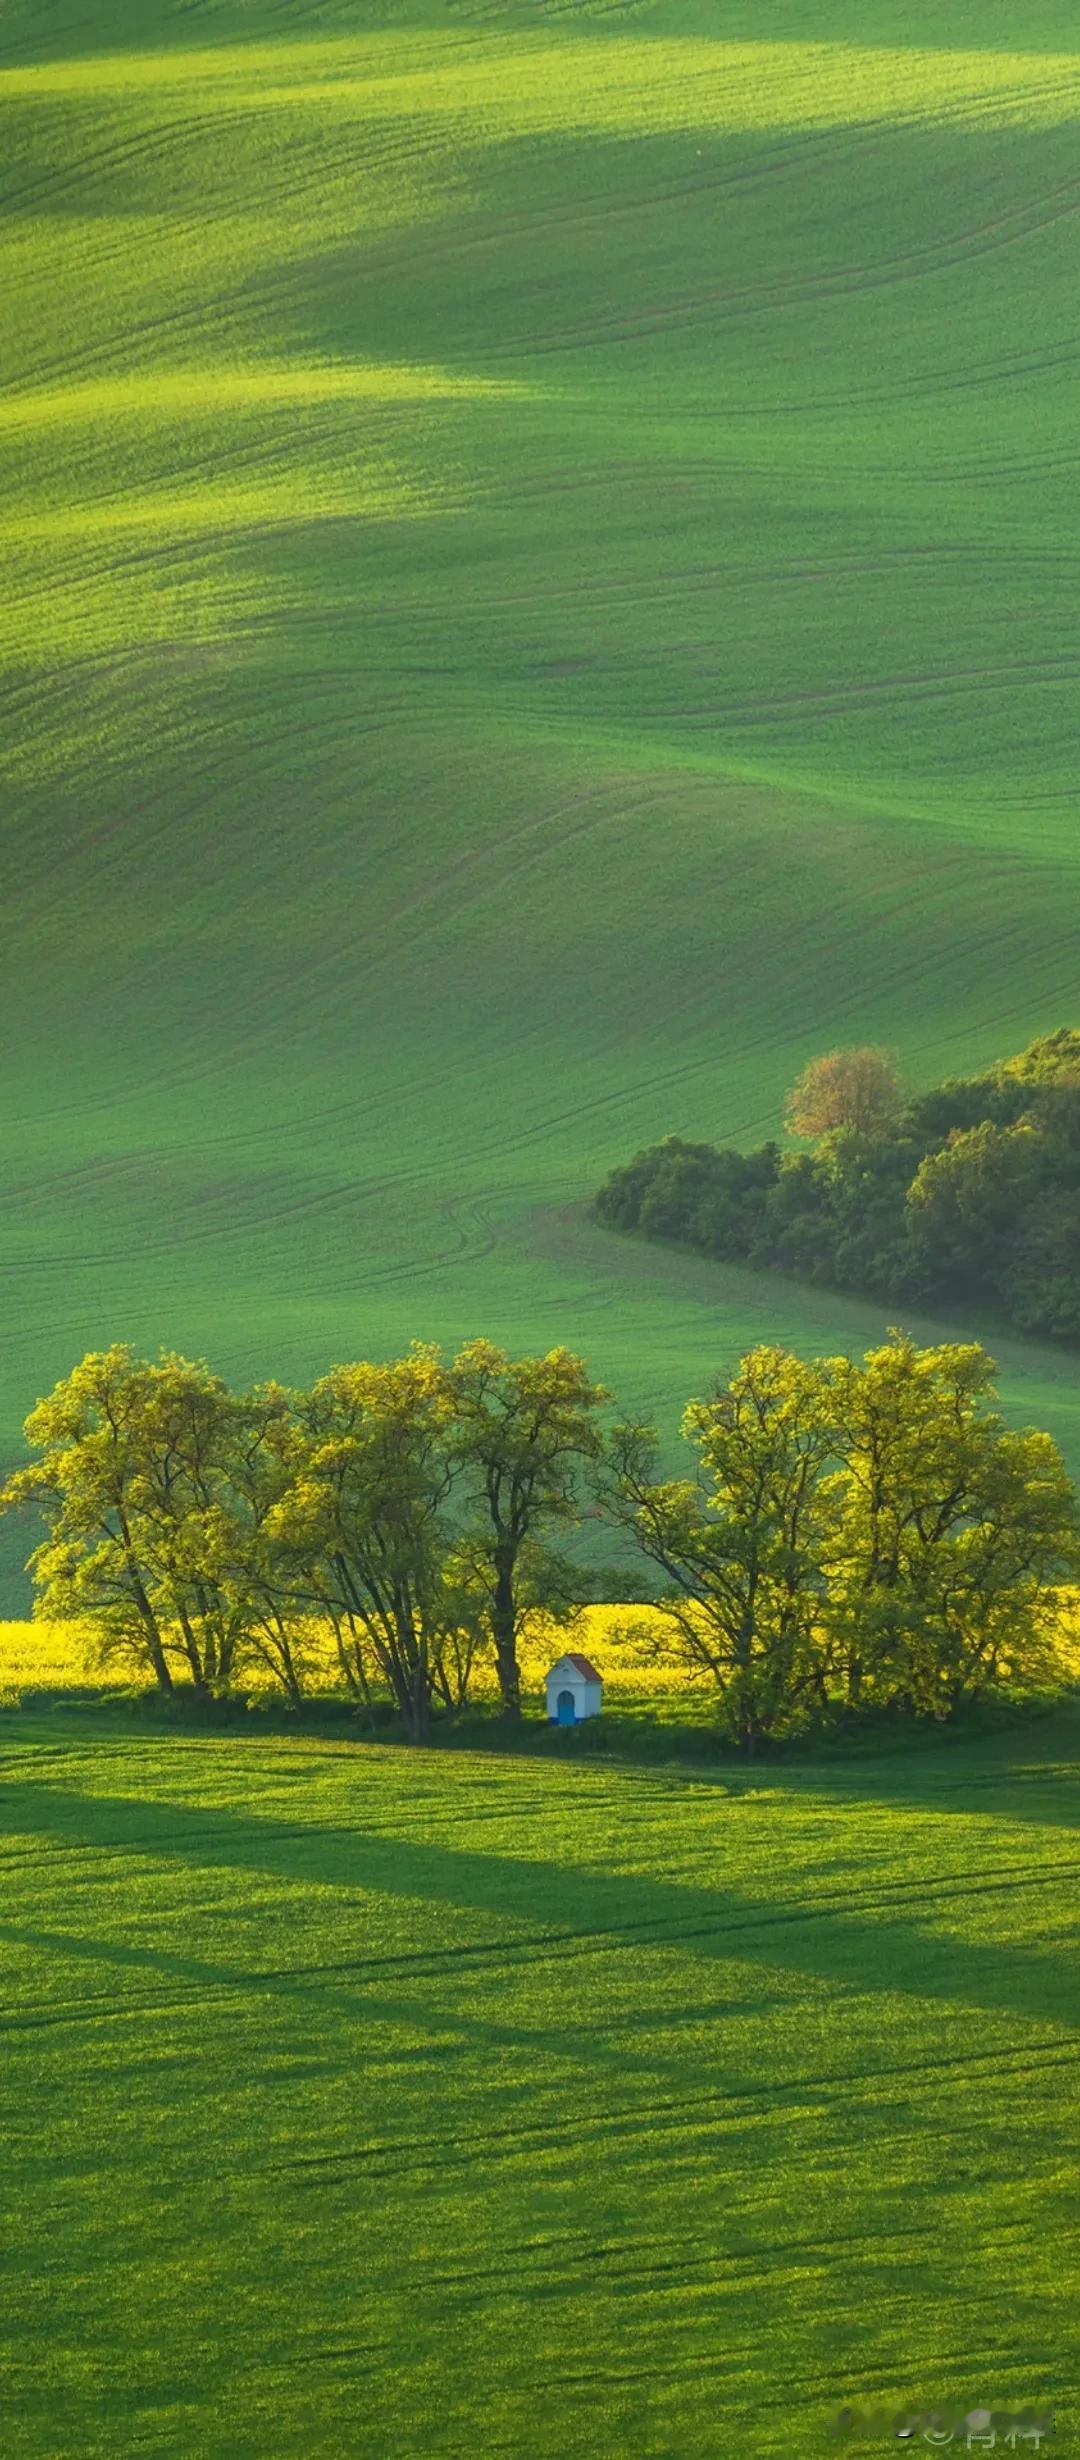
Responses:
[529,2108]
[204,391]
[539,588]
[522,87]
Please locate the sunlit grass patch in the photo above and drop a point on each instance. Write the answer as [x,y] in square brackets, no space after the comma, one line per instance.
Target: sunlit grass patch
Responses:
[72,590]
[212,391]
[191,512]
[538,590]
[504,86]
[401,2077]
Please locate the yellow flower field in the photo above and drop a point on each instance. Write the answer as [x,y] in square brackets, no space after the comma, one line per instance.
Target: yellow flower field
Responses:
[622,1640]
[631,1645]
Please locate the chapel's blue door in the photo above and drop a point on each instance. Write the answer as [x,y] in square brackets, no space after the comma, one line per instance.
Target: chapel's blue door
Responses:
[564,1708]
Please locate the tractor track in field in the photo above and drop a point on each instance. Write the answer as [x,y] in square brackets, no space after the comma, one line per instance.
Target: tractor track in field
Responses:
[365,1189]
[382,2158]
[429,903]
[926,683]
[628,2261]
[989,237]
[54,186]
[1011,367]
[603,208]
[706,579]
[176,131]
[498,1957]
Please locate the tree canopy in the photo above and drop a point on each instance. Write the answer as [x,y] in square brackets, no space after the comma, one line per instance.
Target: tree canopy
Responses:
[525,1432]
[847,1536]
[866,1532]
[411,1505]
[857,1089]
[968,1194]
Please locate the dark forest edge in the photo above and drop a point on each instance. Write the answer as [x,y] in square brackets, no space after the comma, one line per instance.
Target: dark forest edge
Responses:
[968,1195]
[850,1545]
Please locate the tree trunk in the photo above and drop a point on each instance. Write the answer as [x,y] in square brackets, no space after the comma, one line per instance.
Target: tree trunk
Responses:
[288,1675]
[418,1717]
[158,1660]
[147,1617]
[199,1684]
[504,1633]
[406,1665]
[293,1687]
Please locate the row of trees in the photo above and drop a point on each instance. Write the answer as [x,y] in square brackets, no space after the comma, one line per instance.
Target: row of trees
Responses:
[970,1192]
[867,1534]
[413,1507]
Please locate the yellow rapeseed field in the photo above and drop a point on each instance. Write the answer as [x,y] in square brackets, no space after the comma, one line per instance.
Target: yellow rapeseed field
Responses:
[630,1645]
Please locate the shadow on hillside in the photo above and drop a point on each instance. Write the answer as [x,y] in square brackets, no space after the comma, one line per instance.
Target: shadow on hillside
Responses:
[1016,1760]
[876,1936]
[358,1989]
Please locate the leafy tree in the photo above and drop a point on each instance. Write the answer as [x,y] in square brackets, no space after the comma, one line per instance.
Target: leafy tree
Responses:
[965,1201]
[94,1563]
[134,1485]
[991,1593]
[743,1543]
[155,1483]
[186,1427]
[1045,1061]
[365,1512]
[952,1537]
[1040,1279]
[856,1088]
[525,1430]
[262,1578]
[687,1191]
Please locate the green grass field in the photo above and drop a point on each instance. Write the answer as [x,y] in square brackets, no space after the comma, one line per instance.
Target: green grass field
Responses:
[359,2105]
[540,588]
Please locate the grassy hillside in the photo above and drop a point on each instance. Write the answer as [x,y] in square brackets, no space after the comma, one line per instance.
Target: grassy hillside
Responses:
[539,589]
[341,2120]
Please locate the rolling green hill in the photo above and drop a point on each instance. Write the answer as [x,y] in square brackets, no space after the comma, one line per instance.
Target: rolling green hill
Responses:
[540,588]
[339,2117]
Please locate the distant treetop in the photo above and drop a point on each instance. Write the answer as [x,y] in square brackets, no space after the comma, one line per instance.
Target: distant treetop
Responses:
[857,1089]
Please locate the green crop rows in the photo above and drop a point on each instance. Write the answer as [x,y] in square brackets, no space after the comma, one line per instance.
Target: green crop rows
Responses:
[523,2108]
[540,588]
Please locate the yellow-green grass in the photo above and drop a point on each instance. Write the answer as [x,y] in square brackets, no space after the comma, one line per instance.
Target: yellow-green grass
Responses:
[539,589]
[360,2101]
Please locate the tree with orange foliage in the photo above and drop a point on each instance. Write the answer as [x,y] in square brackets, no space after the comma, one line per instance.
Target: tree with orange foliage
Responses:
[857,1088]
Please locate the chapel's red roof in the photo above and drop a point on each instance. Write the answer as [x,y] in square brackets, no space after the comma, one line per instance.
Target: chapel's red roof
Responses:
[584,1666]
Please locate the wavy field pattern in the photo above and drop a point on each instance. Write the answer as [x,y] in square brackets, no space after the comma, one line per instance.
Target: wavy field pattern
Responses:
[539,589]
[528,2109]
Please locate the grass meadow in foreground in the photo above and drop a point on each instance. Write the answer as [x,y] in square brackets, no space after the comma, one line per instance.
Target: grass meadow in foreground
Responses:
[389,2104]
[539,590]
